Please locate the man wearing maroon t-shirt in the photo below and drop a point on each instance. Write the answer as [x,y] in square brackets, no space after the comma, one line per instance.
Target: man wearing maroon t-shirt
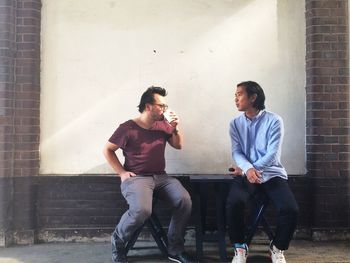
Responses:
[143,141]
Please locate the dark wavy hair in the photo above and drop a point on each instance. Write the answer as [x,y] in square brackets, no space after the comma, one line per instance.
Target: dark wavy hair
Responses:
[148,96]
[252,88]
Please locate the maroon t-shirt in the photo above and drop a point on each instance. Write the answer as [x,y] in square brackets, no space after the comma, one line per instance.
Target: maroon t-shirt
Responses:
[143,148]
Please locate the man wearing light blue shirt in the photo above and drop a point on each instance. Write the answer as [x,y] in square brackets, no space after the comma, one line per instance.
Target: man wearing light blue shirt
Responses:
[256,137]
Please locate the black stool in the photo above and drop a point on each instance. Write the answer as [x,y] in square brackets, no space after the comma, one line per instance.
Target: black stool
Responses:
[156,230]
[220,183]
[261,202]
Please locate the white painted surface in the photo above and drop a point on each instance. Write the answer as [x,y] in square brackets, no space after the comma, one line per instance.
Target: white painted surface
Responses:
[99,56]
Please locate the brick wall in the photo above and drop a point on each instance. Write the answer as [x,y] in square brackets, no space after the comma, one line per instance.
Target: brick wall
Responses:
[87,207]
[19,113]
[327,98]
[80,208]
[31,206]
[7,62]
[27,88]
[26,117]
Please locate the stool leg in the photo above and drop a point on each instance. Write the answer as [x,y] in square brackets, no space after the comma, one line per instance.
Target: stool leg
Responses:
[201,214]
[161,242]
[199,239]
[221,222]
[255,223]
[133,239]
[267,228]
[159,229]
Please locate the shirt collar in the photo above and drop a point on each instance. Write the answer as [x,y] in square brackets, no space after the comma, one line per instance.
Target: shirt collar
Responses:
[256,117]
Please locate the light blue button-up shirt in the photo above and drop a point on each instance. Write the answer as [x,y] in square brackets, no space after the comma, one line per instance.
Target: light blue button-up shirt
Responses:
[256,143]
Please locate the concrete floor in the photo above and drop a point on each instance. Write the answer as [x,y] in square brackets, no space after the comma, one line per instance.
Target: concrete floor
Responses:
[299,252]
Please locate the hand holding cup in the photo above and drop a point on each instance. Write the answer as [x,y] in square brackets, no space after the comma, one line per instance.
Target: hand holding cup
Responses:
[171,117]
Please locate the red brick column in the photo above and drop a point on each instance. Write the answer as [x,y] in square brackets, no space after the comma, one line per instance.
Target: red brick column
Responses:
[19,116]
[327,98]
[7,62]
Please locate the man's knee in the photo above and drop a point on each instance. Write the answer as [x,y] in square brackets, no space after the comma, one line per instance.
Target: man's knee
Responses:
[187,200]
[183,202]
[141,214]
[294,210]
[291,209]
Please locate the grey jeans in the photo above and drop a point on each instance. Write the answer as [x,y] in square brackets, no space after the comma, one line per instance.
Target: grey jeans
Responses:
[138,192]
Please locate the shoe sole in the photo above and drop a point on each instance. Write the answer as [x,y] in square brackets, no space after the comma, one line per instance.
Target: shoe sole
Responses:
[174,260]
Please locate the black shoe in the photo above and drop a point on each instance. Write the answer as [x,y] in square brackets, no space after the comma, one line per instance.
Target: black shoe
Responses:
[118,250]
[181,258]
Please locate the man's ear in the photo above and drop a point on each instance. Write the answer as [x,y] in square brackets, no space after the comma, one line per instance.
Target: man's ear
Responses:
[148,106]
[252,99]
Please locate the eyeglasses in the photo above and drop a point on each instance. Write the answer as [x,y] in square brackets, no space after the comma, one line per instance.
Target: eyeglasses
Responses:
[163,106]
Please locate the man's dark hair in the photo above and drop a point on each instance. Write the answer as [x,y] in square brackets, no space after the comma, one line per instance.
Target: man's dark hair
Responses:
[252,88]
[148,96]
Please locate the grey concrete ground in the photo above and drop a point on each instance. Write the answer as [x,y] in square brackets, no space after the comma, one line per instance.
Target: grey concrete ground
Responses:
[299,252]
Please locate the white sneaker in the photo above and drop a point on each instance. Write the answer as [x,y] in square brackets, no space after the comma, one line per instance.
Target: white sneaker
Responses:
[277,255]
[241,255]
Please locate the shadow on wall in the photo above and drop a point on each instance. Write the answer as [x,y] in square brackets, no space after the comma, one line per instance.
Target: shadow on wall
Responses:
[206,33]
[119,16]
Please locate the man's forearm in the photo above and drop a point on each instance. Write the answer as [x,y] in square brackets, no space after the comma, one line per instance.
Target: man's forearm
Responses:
[176,139]
[114,162]
[242,161]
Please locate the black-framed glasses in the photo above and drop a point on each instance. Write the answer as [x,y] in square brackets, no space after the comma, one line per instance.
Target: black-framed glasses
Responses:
[161,105]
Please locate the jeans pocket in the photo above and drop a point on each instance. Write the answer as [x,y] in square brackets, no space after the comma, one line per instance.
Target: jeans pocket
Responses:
[124,185]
